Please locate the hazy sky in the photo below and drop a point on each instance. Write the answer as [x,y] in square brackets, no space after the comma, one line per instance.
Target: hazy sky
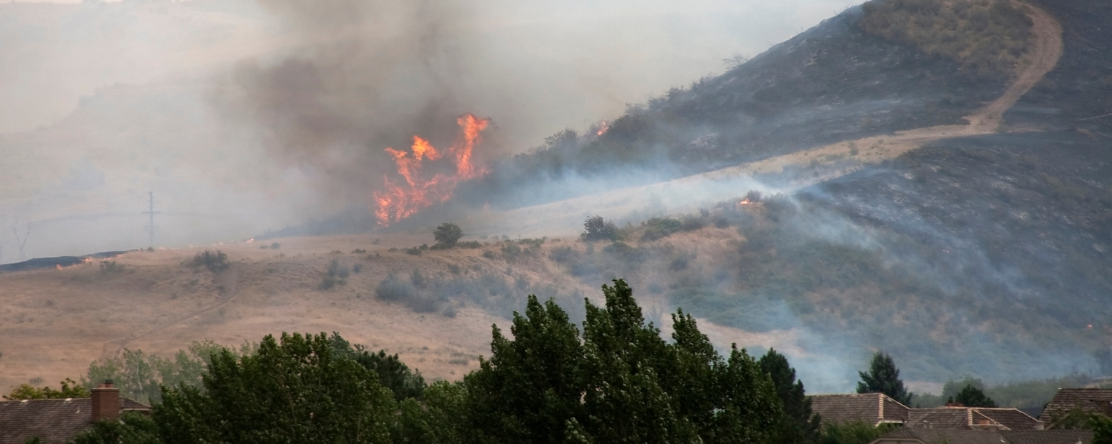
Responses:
[141,73]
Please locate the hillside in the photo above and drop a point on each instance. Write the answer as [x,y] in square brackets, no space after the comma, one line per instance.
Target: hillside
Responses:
[947,203]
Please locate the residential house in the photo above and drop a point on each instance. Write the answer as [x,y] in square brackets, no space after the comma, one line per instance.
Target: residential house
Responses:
[1087,400]
[971,418]
[870,408]
[59,420]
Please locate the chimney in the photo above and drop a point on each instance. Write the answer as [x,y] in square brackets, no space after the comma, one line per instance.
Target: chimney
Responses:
[106,401]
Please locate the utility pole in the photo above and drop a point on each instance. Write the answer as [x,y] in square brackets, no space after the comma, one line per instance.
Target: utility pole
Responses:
[152,212]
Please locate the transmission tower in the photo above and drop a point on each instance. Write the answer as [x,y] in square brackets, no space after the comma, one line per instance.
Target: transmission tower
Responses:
[152,212]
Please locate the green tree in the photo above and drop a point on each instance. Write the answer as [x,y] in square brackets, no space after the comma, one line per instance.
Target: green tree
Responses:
[70,389]
[438,419]
[971,396]
[884,377]
[295,390]
[140,376]
[447,234]
[802,425]
[532,384]
[392,372]
[853,432]
[130,428]
[625,359]
[1102,429]
[618,381]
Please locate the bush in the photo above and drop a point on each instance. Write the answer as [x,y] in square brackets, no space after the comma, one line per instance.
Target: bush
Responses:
[447,234]
[335,276]
[660,227]
[111,267]
[216,262]
[394,289]
[510,251]
[563,255]
[597,228]
[490,254]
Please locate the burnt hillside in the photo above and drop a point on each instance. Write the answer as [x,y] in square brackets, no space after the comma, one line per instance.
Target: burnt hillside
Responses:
[831,83]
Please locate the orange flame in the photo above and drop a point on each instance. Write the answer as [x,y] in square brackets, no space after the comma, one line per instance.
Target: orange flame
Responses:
[398,202]
[603,128]
[85,261]
[745,202]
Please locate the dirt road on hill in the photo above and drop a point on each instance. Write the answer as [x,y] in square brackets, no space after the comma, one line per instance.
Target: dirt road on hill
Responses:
[694,192]
[228,281]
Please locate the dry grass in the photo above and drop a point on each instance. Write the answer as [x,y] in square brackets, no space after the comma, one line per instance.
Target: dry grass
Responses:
[988,37]
[54,323]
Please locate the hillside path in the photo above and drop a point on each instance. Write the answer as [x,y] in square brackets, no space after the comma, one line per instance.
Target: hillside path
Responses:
[228,280]
[694,192]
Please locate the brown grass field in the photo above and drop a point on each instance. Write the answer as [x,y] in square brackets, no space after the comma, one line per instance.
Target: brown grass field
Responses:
[54,323]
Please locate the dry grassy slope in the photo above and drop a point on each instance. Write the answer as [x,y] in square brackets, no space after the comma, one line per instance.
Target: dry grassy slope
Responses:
[54,323]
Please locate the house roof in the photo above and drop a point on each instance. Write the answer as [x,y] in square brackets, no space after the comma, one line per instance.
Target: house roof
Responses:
[1013,419]
[956,436]
[870,408]
[970,418]
[52,420]
[940,418]
[1090,400]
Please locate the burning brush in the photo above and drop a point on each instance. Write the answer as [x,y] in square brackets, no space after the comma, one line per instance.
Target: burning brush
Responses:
[400,201]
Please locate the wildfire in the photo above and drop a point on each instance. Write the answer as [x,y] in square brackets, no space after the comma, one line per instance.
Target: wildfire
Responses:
[603,128]
[85,261]
[400,201]
[745,202]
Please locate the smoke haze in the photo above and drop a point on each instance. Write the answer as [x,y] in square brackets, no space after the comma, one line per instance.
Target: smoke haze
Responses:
[253,116]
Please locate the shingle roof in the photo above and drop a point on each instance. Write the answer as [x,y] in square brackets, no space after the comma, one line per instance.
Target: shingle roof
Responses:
[954,436]
[1091,400]
[52,420]
[970,418]
[1013,419]
[940,418]
[871,408]
[1048,436]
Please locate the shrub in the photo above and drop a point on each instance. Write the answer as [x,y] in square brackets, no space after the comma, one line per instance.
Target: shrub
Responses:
[394,289]
[216,262]
[510,251]
[660,227]
[413,251]
[447,234]
[490,254]
[469,244]
[596,228]
[111,267]
[336,275]
[563,255]
[417,278]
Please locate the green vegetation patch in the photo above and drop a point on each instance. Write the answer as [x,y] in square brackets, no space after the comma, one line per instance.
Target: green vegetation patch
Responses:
[988,37]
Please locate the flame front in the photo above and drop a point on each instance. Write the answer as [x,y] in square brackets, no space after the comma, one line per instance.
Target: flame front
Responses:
[398,202]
